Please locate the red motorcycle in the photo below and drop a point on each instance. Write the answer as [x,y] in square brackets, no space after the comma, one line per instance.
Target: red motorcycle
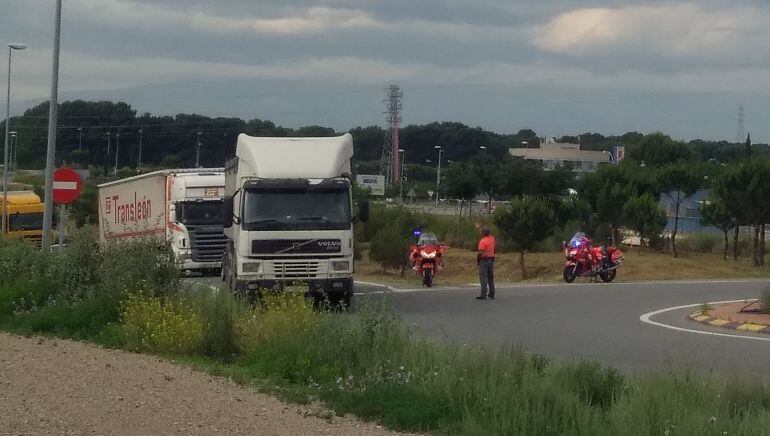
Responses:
[585,260]
[426,258]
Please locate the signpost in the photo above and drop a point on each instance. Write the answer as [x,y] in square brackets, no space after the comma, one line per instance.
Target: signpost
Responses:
[67,186]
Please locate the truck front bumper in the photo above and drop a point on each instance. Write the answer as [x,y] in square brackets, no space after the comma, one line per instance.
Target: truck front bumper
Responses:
[337,287]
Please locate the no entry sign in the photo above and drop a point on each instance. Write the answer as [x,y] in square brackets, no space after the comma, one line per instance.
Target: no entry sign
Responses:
[67,186]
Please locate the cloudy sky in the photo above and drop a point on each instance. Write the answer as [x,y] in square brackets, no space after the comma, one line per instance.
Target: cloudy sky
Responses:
[556,66]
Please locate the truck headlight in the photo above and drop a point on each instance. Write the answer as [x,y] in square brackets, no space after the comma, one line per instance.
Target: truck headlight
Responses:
[340,265]
[250,267]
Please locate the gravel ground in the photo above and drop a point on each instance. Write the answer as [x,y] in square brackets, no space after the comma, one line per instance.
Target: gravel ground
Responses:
[52,386]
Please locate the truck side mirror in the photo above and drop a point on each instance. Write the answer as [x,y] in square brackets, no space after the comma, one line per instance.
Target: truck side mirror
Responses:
[227,214]
[363,211]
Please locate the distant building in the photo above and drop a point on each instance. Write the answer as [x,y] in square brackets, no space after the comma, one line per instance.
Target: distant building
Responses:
[552,154]
[689,212]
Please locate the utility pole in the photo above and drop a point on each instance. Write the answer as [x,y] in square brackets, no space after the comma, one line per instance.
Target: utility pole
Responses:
[741,115]
[198,152]
[50,160]
[80,138]
[109,145]
[389,158]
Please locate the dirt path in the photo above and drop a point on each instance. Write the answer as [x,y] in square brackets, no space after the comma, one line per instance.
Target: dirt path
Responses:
[52,386]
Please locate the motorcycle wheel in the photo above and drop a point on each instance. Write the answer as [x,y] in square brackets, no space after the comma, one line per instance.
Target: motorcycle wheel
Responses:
[608,276]
[570,274]
[427,277]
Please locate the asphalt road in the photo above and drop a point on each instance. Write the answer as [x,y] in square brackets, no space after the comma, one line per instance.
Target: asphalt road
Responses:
[597,321]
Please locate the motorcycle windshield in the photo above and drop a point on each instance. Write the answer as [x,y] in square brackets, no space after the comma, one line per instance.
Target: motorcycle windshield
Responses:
[427,239]
[579,240]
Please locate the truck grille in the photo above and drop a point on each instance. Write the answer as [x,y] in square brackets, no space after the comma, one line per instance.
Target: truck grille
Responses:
[295,246]
[35,239]
[207,243]
[296,269]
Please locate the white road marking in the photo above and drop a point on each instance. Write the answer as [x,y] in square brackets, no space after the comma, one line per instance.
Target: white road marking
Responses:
[65,185]
[645,318]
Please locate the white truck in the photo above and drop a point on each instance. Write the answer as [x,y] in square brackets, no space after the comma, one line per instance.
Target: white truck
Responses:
[288,217]
[181,206]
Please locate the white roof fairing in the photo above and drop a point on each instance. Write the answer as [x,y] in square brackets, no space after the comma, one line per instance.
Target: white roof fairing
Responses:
[296,158]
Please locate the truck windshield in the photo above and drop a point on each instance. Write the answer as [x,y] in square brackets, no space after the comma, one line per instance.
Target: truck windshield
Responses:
[25,221]
[296,210]
[199,213]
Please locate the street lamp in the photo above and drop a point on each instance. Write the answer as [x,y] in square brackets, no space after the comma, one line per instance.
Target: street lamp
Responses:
[109,145]
[401,174]
[198,152]
[117,152]
[80,138]
[438,171]
[14,146]
[483,148]
[11,47]
[141,132]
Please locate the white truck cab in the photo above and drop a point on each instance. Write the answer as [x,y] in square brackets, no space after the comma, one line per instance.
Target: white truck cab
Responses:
[288,217]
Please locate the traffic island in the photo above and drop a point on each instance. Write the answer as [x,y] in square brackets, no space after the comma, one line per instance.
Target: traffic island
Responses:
[744,316]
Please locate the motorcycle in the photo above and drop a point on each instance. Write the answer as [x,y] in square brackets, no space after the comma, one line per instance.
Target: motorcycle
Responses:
[585,260]
[426,258]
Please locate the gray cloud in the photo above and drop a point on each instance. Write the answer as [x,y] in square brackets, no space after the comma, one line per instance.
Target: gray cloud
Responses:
[551,65]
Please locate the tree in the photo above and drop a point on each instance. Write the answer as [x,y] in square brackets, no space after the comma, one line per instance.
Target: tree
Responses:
[677,182]
[644,215]
[657,149]
[461,182]
[525,222]
[608,189]
[715,213]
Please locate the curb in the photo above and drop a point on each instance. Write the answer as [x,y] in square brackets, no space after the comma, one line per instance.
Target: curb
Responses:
[731,325]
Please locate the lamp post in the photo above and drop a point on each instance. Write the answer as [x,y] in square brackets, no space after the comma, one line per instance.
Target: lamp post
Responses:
[11,47]
[80,138]
[117,152]
[401,175]
[438,171]
[14,146]
[109,145]
[141,132]
[198,152]
[483,148]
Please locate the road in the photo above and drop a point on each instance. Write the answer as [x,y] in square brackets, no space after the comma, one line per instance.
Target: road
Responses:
[597,321]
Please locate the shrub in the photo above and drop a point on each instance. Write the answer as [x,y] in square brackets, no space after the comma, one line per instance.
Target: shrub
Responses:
[161,325]
[220,313]
[389,246]
[143,265]
[280,316]
[700,242]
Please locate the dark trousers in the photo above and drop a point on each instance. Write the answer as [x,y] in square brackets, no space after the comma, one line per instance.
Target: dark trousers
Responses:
[487,277]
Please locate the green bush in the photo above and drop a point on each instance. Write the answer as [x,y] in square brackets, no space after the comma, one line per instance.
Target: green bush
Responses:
[701,242]
[220,313]
[390,246]
[165,325]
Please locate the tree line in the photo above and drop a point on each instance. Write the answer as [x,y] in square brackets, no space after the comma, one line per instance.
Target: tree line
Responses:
[87,130]
[625,196]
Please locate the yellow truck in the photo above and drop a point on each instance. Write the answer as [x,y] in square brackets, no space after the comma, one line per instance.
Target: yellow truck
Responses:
[25,215]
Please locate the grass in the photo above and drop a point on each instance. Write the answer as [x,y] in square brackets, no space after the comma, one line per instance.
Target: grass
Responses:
[640,265]
[366,363]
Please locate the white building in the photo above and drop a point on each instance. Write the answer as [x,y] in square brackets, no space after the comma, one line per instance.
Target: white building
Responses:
[553,154]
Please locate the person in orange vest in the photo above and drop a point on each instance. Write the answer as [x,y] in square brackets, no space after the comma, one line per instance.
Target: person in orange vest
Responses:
[486,261]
